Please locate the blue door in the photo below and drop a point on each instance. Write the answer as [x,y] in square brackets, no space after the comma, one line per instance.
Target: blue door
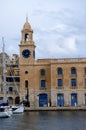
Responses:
[43,100]
[60,100]
[73,99]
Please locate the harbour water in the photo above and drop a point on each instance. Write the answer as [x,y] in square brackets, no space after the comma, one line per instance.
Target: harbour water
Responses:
[45,120]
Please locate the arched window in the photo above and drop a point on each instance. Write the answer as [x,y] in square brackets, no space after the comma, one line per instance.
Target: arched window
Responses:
[73,70]
[26,83]
[59,71]
[42,72]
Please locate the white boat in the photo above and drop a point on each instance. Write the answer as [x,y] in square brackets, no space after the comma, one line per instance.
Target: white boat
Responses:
[5,110]
[18,109]
[4,113]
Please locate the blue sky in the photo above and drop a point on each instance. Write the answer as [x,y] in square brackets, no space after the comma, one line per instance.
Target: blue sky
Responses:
[59,26]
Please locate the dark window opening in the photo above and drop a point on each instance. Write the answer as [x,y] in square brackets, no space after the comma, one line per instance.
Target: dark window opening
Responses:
[59,71]
[73,71]
[85,71]
[26,83]
[34,54]
[10,89]
[26,37]
[73,82]
[26,72]
[85,83]
[42,72]
[13,79]
[60,82]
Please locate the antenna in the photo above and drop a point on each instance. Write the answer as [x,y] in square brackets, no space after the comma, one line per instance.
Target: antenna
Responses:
[27,17]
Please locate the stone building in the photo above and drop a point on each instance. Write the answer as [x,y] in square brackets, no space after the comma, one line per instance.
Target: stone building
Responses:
[12,78]
[50,82]
[7,61]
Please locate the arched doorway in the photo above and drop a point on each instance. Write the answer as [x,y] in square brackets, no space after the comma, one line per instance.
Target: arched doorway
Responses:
[1,98]
[10,100]
[17,100]
[43,100]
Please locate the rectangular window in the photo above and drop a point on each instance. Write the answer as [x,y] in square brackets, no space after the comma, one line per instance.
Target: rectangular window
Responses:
[13,79]
[73,82]
[10,89]
[59,82]
[9,79]
[43,83]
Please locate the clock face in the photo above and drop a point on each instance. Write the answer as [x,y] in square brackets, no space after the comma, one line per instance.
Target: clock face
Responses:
[26,53]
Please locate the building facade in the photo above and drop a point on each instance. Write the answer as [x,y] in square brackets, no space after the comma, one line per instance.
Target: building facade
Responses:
[12,78]
[50,82]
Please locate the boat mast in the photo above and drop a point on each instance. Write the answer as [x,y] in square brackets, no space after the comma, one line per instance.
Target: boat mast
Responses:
[4,73]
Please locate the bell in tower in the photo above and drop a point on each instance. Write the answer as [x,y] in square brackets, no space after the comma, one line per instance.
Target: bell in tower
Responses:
[26,37]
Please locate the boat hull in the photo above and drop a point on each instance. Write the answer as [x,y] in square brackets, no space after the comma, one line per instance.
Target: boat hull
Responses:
[5,113]
[18,109]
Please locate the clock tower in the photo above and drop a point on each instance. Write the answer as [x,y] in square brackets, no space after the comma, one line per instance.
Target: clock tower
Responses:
[26,63]
[27,47]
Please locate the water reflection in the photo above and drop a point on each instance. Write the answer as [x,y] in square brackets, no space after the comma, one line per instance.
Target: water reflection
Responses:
[49,120]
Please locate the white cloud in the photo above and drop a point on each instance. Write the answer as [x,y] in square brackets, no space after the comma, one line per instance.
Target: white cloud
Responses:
[59,26]
[70,44]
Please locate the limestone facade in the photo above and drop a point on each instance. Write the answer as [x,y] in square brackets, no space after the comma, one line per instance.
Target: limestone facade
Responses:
[50,82]
[12,73]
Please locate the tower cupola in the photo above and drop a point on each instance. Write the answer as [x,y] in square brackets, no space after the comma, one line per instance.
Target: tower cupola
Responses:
[27,32]
[27,25]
